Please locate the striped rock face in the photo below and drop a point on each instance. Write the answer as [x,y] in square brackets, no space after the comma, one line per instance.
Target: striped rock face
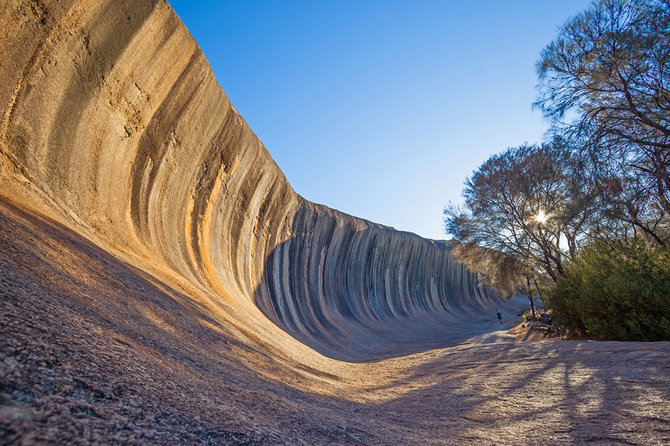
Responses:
[114,125]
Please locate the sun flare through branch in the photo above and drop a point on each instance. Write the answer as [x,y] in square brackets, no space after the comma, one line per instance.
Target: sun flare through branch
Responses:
[541,217]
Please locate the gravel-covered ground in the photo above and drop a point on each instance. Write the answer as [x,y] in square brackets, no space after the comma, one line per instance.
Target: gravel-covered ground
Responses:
[94,351]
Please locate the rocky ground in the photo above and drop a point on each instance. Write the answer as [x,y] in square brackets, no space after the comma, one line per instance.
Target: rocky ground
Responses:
[93,351]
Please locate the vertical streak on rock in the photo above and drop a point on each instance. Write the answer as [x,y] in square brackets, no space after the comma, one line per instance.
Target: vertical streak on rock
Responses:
[205,231]
[101,45]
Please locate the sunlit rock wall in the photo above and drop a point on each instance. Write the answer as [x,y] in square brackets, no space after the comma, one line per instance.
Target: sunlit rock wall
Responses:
[114,124]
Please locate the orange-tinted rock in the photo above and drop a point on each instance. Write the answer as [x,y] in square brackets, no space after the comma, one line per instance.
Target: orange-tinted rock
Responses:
[115,125]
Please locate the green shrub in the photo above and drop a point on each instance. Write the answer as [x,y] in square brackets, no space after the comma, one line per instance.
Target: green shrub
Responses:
[617,291]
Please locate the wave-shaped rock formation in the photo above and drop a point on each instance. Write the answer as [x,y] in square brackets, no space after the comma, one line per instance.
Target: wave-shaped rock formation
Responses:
[114,122]
[162,283]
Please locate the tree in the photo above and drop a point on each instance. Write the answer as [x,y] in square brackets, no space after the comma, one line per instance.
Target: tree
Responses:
[497,270]
[527,204]
[625,208]
[609,69]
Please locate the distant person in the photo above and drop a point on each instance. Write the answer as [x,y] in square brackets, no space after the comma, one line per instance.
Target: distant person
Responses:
[499,316]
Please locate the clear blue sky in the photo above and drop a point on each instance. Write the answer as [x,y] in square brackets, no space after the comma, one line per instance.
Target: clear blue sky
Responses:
[381,109]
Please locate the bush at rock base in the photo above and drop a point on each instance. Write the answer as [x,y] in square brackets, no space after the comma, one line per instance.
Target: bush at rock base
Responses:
[615,291]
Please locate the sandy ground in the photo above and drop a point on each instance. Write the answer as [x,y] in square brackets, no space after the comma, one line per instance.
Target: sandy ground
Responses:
[531,331]
[93,351]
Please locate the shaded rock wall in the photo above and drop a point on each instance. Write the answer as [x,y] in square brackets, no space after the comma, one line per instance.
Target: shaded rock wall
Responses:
[347,287]
[114,124]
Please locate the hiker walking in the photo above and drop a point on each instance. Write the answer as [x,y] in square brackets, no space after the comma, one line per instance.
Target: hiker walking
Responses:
[499,316]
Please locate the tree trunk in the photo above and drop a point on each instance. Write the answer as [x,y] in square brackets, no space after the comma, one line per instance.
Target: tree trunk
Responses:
[530,298]
[539,293]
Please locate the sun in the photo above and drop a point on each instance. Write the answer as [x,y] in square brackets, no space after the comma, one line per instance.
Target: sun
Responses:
[541,217]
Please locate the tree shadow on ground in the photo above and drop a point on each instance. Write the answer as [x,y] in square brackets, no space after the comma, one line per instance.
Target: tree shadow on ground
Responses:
[552,391]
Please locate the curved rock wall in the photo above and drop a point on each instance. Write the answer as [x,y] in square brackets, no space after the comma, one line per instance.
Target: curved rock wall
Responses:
[340,280]
[114,124]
